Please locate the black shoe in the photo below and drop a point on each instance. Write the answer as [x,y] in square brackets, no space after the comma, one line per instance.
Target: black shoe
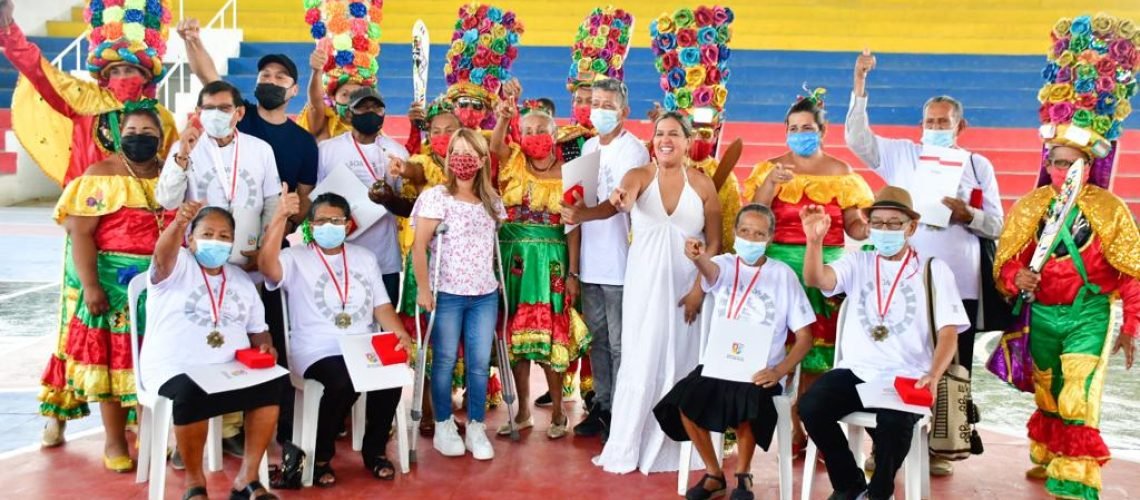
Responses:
[544,400]
[592,425]
[851,494]
[588,399]
[743,489]
[234,446]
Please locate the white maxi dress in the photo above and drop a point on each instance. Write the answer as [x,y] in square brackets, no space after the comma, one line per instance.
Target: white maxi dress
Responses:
[658,347]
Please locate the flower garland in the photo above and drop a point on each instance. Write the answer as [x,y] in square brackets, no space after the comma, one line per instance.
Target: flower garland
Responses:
[692,57]
[483,48]
[600,47]
[349,32]
[815,97]
[128,31]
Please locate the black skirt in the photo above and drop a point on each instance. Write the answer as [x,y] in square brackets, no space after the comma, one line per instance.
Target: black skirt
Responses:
[718,405]
[192,404]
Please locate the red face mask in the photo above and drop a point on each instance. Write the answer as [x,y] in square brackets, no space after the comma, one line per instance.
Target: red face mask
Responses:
[463,166]
[469,118]
[126,89]
[537,146]
[439,144]
[701,149]
[582,116]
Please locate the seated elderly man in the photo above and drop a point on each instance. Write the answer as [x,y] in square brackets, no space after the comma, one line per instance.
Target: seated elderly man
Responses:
[885,334]
[201,310]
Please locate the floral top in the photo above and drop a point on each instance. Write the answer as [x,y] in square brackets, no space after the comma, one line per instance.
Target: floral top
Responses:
[467,257]
[529,199]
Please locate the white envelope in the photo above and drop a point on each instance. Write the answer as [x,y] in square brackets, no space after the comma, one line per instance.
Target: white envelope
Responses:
[231,375]
[938,175]
[345,183]
[736,349]
[882,394]
[583,171]
[364,366]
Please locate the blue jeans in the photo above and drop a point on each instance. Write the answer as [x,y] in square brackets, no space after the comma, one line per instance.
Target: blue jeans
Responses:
[472,319]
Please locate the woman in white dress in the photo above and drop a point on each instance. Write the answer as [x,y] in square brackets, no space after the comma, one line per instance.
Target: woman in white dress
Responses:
[662,296]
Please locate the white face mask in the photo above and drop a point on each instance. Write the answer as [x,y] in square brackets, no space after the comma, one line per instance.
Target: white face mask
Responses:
[216,123]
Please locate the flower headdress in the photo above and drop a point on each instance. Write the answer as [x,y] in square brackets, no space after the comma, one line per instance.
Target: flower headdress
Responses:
[692,58]
[438,107]
[349,32]
[600,48]
[483,48]
[815,97]
[127,31]
[1089,80]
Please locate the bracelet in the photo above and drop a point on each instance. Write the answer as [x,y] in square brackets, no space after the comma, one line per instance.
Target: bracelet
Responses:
[572,274]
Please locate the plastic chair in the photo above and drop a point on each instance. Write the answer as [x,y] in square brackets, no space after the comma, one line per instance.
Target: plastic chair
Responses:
[306,404]
[783,405]
[916,467]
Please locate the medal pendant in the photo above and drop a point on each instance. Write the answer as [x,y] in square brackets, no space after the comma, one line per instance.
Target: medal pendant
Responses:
[880,333]
[215,339]
[343,320]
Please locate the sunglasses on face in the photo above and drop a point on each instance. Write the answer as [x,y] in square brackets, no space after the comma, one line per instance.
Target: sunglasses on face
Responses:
[469,103]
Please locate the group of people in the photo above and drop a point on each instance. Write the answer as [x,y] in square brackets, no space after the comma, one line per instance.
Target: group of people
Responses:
[611,288]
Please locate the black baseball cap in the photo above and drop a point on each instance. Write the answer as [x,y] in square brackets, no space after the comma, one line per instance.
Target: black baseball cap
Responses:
[281,59]
[363,94]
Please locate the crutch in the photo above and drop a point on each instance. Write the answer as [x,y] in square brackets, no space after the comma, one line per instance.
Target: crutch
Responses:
[422,345]
[503,351]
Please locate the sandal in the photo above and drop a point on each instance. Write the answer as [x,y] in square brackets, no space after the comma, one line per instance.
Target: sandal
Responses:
[383,469]
[699,492]
[322,471]
[250,492]
[197,491]
[743,492]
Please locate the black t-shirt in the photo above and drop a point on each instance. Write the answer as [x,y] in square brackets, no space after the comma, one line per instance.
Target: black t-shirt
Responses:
[294,148]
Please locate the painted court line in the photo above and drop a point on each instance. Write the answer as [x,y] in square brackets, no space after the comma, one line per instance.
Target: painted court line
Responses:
[34,289]
[37,447]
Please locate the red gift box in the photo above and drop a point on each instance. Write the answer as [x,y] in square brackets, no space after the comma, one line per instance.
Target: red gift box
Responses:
[912,395]
[976,198]
[385,347]
[570,196]
[254,358]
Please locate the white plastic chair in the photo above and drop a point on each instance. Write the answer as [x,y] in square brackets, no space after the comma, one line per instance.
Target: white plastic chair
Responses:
[306,406]
[916,467]
[783,405]
[155,419]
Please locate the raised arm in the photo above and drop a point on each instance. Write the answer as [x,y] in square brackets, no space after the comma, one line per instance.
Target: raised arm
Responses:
[505,111]
[269,258]
[170,241]
[855,225]
[201,64]
[816,222]
[316,116]
[857,128]
[27,58]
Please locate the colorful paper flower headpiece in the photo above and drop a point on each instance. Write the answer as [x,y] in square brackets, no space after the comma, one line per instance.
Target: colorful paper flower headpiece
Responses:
[815,97]
[692,57]
[600,48]
[483,48]
[1089,80]
[349,32]
[438,107]
[127,31]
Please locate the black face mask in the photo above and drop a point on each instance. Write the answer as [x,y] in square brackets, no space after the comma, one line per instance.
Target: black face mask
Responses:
[270,96]
[139,148]
[368,123]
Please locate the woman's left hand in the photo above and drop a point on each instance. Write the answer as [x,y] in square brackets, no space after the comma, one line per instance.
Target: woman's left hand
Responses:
[692,304]
[268,349]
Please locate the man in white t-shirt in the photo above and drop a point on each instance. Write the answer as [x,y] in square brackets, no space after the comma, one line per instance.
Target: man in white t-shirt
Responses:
[604,240]
[885,332]
[365,152]
[234,171]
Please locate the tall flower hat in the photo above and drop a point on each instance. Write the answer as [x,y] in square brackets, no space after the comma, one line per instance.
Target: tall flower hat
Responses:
[692,58]
[349,32]
[127,31]
[1089,81]
[600,47]
[484,46]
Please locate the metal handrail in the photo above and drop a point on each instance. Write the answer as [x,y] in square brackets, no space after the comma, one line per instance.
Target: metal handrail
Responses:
[76,46]
[178,66]
[220,19]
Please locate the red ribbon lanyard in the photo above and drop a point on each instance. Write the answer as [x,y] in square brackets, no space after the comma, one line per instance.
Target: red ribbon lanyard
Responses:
[215,306]
[367,164]
[882,309]
[342,294]
[744,297]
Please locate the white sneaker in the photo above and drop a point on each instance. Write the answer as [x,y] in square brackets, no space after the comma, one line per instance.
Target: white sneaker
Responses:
[477,441]
[447,440]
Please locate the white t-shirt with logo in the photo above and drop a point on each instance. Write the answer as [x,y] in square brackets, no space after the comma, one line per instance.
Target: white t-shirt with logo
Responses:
[776,300]
[605,243]
[380,238]
[179,319]
[908,349]
[314,301]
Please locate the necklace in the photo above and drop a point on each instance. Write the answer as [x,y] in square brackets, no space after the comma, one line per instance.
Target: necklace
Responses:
[215,339]
[880,332]
[152,206]
[534,165]
[343,319]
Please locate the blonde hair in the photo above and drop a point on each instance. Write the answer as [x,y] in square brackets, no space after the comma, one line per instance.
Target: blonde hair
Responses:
[484,188]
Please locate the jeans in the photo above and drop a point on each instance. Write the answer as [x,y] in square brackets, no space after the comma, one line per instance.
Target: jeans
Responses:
[336,404]
[601,308]
[472,320]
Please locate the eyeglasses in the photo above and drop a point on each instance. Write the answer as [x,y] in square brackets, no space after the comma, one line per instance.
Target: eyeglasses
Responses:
[225,108]
[336,221]
[1059,163]
[891,225]
[468,102]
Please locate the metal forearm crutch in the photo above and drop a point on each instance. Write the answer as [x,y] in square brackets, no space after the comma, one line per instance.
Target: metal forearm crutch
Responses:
[422,341]
[503,351]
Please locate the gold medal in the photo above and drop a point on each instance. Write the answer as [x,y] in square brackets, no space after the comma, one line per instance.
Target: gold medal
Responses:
[343,320]
[880,333]
[215,339]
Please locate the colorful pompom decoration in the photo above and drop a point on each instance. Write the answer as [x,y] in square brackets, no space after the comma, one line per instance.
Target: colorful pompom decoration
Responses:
[127,31]
[600,47]
[349,32]
[484,46]
[692,58]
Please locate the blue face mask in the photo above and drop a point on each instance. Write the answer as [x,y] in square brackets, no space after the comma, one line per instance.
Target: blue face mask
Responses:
[804,143]
[888,243]
[605,120]
[329,236]
[940,138]
[750,251]
[211,254]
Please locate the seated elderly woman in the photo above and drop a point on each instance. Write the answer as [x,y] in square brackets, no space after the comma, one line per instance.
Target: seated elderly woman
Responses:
[202,310]
[334,288]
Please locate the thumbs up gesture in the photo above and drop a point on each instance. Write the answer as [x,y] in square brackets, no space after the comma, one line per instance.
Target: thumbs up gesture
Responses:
[863,65]
[290,203]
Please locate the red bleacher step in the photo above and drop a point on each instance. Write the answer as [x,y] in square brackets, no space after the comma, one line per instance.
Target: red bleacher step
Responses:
[5,119]
[8,162]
